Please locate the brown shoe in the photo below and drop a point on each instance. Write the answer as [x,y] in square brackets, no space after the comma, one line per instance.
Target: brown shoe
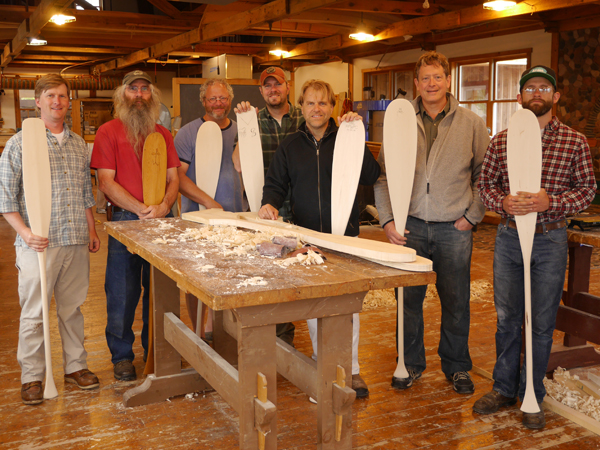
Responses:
[83,378]
[491,401]
[32,393]
[359,385]
[124,371]
[534,421]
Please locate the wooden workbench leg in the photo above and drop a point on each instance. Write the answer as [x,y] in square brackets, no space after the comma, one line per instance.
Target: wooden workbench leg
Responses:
[256,353]
[334,336]
[224,344]
[578,280]
[167,360]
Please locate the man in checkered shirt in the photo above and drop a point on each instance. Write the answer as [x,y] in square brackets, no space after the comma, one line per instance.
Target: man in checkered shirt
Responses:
[72,235]
[568,186]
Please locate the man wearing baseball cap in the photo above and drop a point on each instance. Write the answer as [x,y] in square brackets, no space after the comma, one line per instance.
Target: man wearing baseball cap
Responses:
[117,156]
[568,186]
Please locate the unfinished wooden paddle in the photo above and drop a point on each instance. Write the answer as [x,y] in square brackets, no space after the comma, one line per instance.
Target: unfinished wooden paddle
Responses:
[209,150]
[154,169]
[400,147]
[524,163]
[348,155]
[251,157]
[154,182]
[37,186]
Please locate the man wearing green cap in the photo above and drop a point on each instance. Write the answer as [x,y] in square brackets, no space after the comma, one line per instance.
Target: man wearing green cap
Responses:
[568,186]
[117,156]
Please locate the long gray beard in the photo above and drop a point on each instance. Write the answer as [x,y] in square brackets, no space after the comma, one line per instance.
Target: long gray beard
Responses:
[139,123]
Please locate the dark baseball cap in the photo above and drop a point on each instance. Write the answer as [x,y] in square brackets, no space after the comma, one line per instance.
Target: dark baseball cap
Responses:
[136,75]
[538,71]
[275,72]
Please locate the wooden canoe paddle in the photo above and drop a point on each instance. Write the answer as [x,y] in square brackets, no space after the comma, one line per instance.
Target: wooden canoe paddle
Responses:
[37,186]
[348,155]
[209,150]
[400,146]
[251,157]
[154,180]
[524,163]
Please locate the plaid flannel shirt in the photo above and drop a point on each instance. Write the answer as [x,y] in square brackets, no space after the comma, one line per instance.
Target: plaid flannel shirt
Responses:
[272,135]
[71,187]
[567,173]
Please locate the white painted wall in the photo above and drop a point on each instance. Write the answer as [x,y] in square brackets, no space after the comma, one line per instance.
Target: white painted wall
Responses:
[336,74]
[7,103]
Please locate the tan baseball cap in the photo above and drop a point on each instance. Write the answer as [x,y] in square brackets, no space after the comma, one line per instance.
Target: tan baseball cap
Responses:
[136,75]
[275,72]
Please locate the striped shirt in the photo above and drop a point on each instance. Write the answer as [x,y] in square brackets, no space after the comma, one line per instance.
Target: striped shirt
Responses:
[71,187]
[567,173]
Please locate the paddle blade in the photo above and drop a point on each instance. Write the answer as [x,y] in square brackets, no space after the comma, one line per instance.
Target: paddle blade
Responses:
[154,169]
[400,146]
[209,150]
[37,183]
[251,158]
[348,155]
[524,152]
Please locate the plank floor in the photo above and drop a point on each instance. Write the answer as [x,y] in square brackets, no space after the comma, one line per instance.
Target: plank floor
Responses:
[430,415]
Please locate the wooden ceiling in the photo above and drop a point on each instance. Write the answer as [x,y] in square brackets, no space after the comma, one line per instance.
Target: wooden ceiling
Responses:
[178,35]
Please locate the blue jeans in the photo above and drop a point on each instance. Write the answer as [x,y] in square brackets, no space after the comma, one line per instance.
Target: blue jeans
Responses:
[450,251]
[126,274]
[548,266]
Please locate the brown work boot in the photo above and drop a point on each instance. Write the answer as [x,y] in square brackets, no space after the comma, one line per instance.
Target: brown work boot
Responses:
[359,385]
[534,421]
[124,371]
[83,378]
[491,402]
[32,393]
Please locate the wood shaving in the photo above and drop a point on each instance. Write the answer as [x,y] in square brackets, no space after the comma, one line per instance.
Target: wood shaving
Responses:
[576,400]
[306,259]
[378,299]
[207,267]
[254,281]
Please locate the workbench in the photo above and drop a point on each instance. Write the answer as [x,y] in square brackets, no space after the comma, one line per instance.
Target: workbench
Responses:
[579,316]
[247,355]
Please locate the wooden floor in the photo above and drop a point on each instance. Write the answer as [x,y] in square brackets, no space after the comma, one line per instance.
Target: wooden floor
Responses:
[429,415]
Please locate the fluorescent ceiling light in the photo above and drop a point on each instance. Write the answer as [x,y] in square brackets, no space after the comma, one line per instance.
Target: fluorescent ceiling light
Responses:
[499,5]
[38,40]
[61,19]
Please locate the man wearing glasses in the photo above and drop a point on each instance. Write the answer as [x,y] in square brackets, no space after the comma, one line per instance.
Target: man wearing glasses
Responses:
[216,96]
[117,156]
[568,186]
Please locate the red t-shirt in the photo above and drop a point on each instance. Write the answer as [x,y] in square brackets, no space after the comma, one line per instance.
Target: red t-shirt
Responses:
[113,151]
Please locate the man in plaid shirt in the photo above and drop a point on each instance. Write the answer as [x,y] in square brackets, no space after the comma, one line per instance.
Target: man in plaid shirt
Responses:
[568,186]
[72,235]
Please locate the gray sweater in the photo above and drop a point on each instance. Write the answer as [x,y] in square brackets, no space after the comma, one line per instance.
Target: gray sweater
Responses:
[451,172]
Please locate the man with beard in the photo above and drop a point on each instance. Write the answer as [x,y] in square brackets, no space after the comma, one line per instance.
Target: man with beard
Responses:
[216,96]
[568,186]
[117,156]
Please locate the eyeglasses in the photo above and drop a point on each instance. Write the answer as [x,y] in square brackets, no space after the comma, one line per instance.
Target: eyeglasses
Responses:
[541,90]
[214,100]
[131,88]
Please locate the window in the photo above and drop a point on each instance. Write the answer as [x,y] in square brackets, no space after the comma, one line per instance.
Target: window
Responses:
[488,85]
[388,83]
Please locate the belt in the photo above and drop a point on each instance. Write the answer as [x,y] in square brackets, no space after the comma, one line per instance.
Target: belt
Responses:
[111,209]
[540,228]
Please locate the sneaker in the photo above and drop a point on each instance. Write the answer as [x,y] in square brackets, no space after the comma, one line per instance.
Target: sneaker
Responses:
[125,371]
[405,383]
[534,421]
[359,385]
[491,402]
[462,383]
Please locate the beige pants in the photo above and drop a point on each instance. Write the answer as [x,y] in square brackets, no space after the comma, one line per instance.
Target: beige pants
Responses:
[68,272]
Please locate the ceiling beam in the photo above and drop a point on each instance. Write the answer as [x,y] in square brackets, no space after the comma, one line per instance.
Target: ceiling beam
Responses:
[166,7]
[388,7]
[31,27]
[444,21]
[65,49]
[273,11]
